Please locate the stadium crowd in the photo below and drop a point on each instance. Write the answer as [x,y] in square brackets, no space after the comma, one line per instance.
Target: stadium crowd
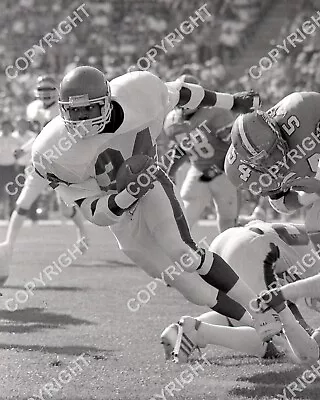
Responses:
[119,32]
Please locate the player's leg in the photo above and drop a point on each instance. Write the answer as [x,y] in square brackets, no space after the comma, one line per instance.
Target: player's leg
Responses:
[75,215]
[172,234]
[195,195]
[33,186]
[213,328]
[225,197]
[134,238]
[309,287]
[303,346]
[136,241]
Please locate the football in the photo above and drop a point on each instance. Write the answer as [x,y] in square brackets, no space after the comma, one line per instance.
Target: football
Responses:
[130,170]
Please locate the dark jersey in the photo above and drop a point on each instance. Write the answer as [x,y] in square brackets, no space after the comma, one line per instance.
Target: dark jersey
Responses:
[298,114]
[196,136]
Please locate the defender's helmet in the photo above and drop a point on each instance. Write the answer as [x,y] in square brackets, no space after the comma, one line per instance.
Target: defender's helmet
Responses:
[82,87]
[257,138]
[46,89]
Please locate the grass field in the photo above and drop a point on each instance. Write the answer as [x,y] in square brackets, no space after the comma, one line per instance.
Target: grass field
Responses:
[83,312]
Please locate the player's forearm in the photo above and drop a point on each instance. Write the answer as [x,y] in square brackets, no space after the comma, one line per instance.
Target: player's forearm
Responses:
[106,210]
[195,96]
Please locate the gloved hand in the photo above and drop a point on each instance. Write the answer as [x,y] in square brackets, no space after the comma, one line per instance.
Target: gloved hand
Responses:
[245,102]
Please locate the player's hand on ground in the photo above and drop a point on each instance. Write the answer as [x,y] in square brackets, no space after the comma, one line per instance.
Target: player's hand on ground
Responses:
[245,102]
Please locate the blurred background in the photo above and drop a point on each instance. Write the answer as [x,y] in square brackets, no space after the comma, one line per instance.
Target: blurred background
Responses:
[117,33]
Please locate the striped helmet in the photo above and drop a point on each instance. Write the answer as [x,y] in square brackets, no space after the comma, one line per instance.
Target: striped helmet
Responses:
[257,138]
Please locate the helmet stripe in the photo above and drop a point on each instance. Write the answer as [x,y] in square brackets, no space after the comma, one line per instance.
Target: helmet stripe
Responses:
[244,137]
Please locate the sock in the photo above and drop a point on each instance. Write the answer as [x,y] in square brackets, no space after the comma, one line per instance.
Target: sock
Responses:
[224,278]
[228,307]
[244,339]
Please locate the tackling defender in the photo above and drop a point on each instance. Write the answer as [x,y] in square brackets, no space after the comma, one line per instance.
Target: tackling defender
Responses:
[39,112]
[273,152]
[200,139]
[110,172]
[257,252]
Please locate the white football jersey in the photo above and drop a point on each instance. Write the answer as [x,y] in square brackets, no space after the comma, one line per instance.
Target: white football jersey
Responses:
[145,101]
[39,115]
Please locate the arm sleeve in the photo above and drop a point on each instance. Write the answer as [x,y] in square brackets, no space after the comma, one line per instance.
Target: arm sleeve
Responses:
[191,96]
[95,204]
[99,207]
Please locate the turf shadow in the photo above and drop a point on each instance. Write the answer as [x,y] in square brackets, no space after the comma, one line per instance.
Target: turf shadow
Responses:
[271,384]
[103,264]
[55,288]
[33,319]
[87,351]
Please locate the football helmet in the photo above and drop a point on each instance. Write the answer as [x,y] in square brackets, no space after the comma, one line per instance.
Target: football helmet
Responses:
[258,139]
[46,89]
[82,87]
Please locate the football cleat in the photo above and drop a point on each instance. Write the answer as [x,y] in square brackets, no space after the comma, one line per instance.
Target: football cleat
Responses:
[179,340]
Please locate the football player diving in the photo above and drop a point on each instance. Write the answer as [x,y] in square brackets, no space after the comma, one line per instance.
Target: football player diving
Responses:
[202,136]
[264,255]
[276,154]
[39,113]
[110,172]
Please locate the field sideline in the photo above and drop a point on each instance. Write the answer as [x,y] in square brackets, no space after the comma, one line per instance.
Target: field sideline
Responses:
[83,312]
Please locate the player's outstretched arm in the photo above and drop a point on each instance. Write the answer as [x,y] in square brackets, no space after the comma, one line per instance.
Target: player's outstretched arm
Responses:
[194,96]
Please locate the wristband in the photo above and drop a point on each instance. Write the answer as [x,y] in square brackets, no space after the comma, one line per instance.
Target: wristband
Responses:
[224,100]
